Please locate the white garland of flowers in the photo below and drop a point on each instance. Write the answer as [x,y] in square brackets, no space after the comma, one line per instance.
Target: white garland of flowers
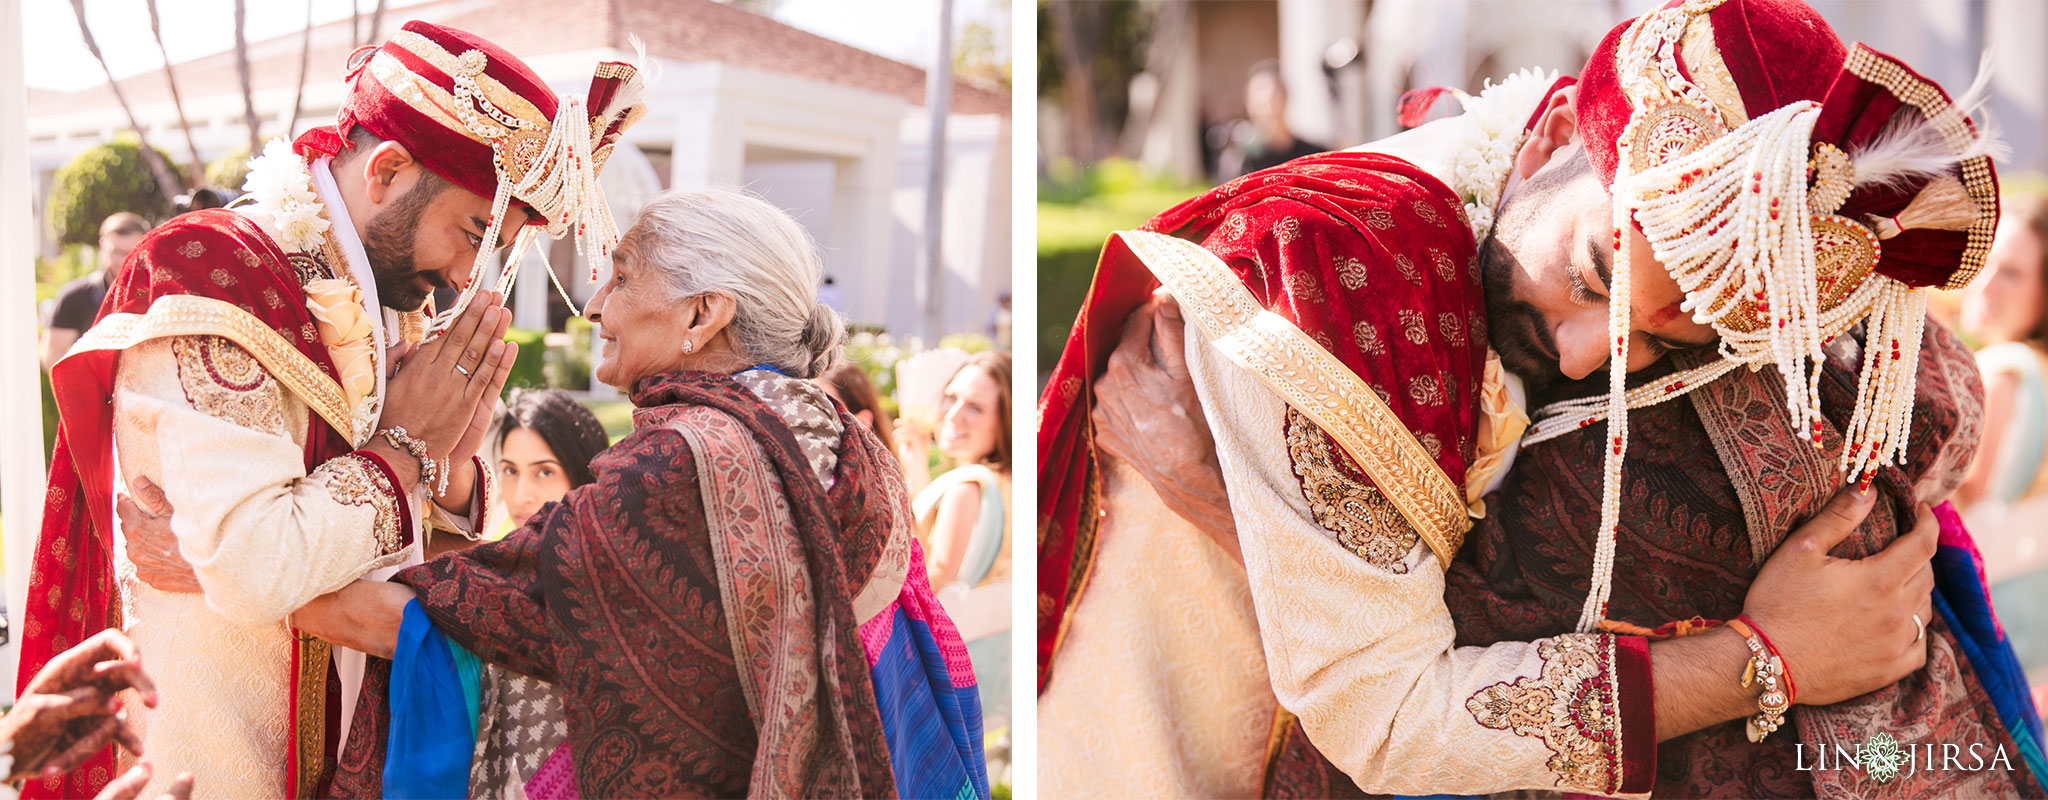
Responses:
[282,199]
[1486,150]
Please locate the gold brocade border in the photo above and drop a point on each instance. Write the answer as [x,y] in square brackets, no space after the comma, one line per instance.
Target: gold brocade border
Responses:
[310,750]
[1709,71]
[422,95]
[450,64]
[1313,382]
[1953,126]
[191,315]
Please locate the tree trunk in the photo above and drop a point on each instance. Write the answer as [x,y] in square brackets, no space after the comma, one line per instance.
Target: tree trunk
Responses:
[305,56]
[195,171]
[1076,47]
[166,181]
[242,71]
[377,24]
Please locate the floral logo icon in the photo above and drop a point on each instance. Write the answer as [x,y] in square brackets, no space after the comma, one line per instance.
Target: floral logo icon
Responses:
[1882,757]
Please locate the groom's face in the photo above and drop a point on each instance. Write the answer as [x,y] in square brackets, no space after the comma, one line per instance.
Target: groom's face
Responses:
[1547,264]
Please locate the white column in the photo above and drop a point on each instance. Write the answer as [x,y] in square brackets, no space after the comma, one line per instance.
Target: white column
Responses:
[21,405]
[530,294]
[1307,29]
[709,148]
[2019,70]
[862,227]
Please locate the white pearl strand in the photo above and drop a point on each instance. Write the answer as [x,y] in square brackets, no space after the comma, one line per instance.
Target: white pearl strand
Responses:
[1663,30]
[1560,418]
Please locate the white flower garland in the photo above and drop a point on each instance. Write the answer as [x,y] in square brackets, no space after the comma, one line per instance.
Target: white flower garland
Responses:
[282,199]
[1486,152]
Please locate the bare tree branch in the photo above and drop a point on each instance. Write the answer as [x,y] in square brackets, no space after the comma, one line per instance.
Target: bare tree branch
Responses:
[242,71]
[305,58]
[196,170]
[166,181]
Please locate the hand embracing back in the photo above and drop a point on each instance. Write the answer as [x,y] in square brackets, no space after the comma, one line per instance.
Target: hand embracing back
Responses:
[1847,627]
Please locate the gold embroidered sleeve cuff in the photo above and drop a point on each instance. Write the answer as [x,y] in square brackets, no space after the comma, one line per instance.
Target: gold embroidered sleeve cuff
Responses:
[1590,704]
[363,478]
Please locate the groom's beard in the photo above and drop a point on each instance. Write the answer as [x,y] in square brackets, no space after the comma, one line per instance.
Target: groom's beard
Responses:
[388,244]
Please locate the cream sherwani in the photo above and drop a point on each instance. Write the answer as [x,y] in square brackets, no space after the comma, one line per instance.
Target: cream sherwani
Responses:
[199,417]
[1177,671]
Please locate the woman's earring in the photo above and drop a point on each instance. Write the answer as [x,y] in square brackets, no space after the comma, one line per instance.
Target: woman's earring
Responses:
[687,347]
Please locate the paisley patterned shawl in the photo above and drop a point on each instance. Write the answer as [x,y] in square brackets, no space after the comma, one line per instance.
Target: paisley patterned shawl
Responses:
[1694,535]
[220,275]
[614,595]
[1367,254]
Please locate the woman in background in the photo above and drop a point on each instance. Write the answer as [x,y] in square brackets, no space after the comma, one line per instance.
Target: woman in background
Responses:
[849,384]
[964,517]
[2006,495]
[545,441]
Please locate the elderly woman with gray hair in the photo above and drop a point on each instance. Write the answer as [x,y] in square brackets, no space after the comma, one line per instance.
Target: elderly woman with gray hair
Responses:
[735,607]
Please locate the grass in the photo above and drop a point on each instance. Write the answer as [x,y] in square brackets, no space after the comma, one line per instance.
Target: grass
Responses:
[615,415]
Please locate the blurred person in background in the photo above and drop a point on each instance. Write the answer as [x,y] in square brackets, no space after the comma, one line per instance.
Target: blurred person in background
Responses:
[200,200]
[849,384]
[1265,140]
[78,303]
[545,441]
[2005,496]
[963,515]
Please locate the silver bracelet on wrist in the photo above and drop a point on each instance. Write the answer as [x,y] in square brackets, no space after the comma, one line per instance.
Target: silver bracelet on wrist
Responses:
[432,476]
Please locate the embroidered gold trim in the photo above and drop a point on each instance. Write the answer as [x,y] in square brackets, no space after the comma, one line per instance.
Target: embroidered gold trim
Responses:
[310,749]
[1571,704]
[451,64]
[1709,72]
[225,382]
[1312,381]
[1949,121]
[191,315]
[1356,513]
[351,480]
[420,94]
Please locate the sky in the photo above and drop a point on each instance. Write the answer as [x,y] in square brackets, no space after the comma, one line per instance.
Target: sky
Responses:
[57,58]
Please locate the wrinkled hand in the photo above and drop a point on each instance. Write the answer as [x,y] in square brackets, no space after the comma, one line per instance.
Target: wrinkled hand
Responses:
[1845,626]
[72,707]
[1148,414]
[152,546]
[129,785]
[435,401]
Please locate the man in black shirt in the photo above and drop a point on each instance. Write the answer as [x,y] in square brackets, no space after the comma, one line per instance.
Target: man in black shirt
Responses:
[1269,142]
[78,303]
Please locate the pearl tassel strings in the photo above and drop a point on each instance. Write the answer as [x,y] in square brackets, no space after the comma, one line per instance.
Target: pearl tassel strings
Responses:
[1878,429]
[562,184]
[1602,584]
[1560,418]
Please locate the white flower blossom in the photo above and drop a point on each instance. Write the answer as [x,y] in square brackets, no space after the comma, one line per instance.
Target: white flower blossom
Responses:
[282,199]
[1487,150]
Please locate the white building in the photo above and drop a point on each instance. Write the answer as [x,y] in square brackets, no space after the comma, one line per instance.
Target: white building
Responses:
[831,133]
[1346,62]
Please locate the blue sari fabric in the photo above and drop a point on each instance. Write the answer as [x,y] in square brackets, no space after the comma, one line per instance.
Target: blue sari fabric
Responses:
[926,692]
[435,693]
[1962,600]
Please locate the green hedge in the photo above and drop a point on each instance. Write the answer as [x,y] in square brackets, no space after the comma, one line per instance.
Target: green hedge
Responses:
[1078,209]
[527,369]
[101,181]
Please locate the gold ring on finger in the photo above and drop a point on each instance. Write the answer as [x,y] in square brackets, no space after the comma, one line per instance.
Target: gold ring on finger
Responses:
[459,368]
